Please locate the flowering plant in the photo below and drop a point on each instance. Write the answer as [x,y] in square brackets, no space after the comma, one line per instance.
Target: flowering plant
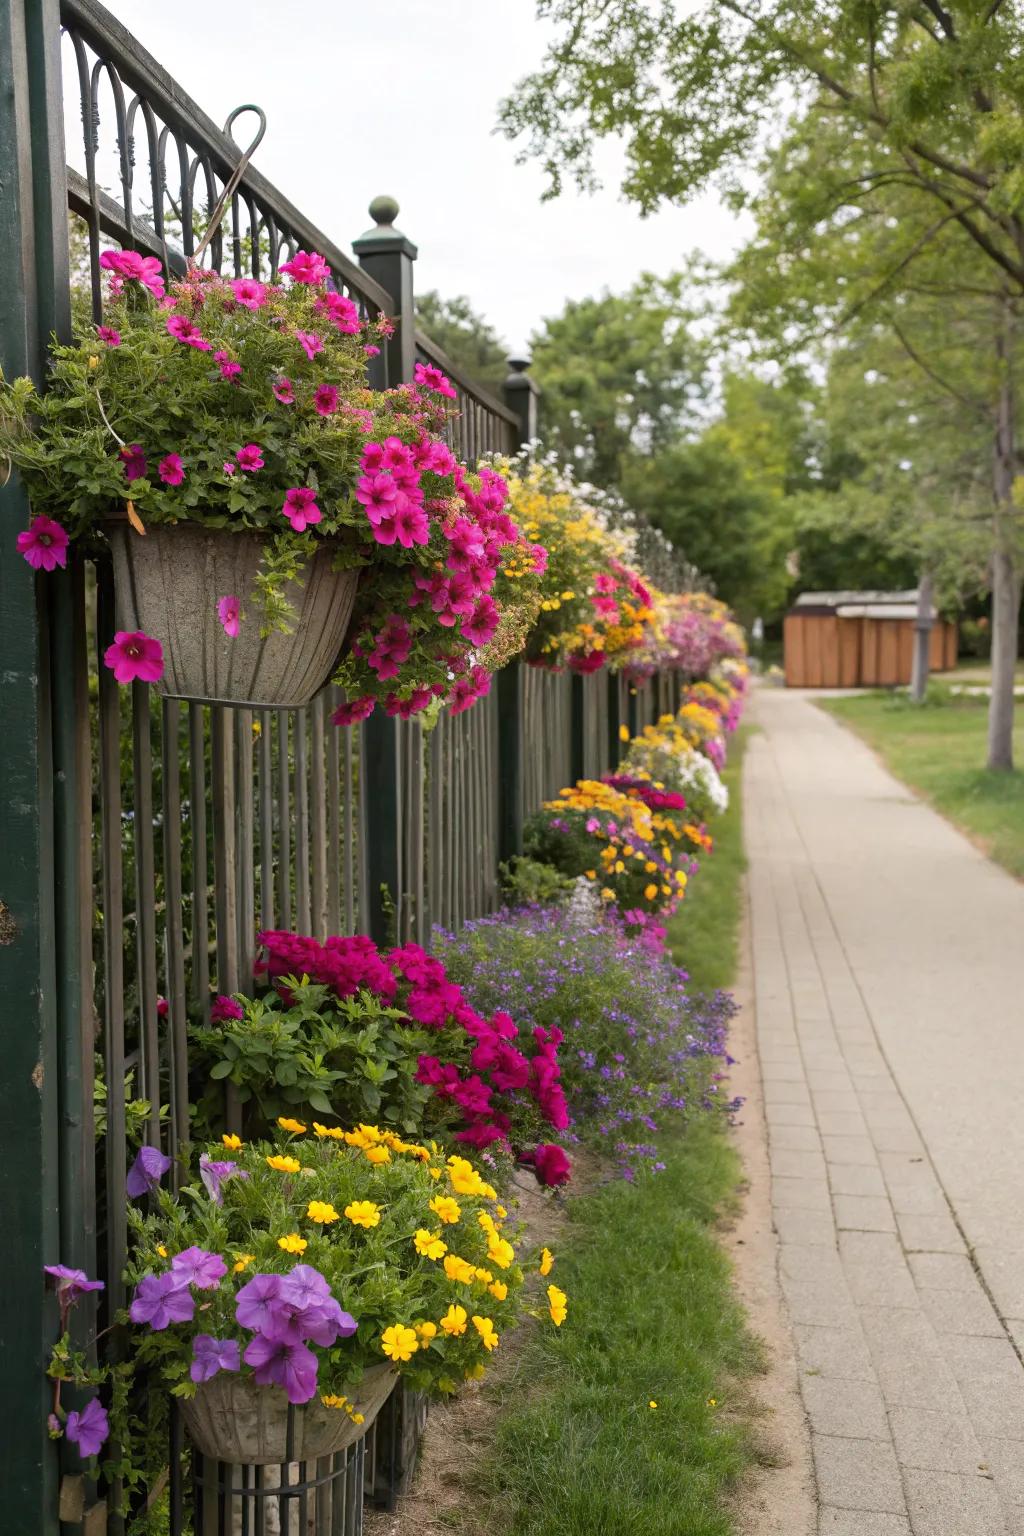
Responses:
[483,1080]
[641,1052]
[687,632]
[243,405]
[306,1262]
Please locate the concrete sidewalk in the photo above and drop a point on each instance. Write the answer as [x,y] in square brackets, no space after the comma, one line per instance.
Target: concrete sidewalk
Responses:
[889,983]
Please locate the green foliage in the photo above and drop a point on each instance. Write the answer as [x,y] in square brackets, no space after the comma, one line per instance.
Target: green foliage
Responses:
[529,882]
[466,337]
[343,1059]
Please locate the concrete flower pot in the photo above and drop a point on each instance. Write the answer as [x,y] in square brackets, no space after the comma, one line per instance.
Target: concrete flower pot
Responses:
[232,1419]
[167,583]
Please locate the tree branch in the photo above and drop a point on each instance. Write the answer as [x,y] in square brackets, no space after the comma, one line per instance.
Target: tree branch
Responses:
[936,378]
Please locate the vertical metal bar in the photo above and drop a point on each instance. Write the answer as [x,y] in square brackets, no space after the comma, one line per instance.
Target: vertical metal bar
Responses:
[302,912]
[174,936]
[145,905]
[284,824]
[245,846]
[362,835]
[266,791]
[318,818]
[379,793]
[200,858]
[353,854]
[335,739]
[225,890]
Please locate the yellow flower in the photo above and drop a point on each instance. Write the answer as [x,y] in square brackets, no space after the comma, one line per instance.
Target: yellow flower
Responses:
[476,1372]
[322,1211]
[363,1213]
[483,1275]
[293,1243]
[485,1328]
[607,895]
[650,891]
[454,1320]
[557,1305]
[295,1126]
[488,1223]
[623,732]
[399,1342]
[652,1403]
[332,1400]
[429,1244]
[464,1178]
[500,1252]
[231,1141]
[500,1212]
[328,1130]
[712,1402]
[242,1262]
[499,1290]
[591,874]
[435,1173]
[284,1164]
[547,1261]
[161,1250]
[426,1331]
[447,1209]
[377,1154]
[458,1269]
[357,1418]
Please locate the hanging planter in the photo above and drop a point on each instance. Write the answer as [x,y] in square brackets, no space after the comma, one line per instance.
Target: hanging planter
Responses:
[163,581]
[231,1419]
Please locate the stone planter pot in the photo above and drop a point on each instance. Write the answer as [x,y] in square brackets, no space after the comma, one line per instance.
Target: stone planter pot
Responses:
[232,1419]
[167,582]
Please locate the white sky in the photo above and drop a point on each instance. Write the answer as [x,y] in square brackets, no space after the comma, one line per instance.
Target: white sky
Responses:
[400,96]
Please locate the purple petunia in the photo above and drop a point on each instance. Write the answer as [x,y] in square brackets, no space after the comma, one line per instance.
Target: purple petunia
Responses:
[146,1172]
[256,1302]
[161,1300]
[291,1366]
[195,1266]
[216,1173]
[88,1429]
[71,1283]
[210,1355]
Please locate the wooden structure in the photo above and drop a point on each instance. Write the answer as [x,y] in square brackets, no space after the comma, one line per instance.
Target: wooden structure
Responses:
[859,640]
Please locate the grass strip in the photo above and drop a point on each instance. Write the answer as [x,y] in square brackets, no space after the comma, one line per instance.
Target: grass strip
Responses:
[938,749]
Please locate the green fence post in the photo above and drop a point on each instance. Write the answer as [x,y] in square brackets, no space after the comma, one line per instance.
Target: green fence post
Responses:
[387,255]
[510,761]
[521,395]
[34,299]
[577,754]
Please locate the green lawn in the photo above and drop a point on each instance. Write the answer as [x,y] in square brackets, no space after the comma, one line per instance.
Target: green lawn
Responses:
[939,750]
[578,1449]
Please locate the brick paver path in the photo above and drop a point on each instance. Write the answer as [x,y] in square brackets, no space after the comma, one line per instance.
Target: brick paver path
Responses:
[889,983]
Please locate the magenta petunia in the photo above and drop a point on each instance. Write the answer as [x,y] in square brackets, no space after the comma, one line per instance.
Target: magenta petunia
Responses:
[135,657]
[310,343]
[371,350]
[300,507]
[183,330]
[171,470]
[224,1007]
[307,267]
[326,399]
[229,369]
[44,544]
[88,1429]
[144,269]
[249,292]
[229,611]
[342,311]
[429,377]
[354,710]
[284,392]
[551,1165]
[229,468]
[250,458]
[134,461]
[107,334]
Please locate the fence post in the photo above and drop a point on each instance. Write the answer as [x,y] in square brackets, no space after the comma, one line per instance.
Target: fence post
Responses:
[577,755]
[39,931]
[614,720]
[387,256]
[521,394]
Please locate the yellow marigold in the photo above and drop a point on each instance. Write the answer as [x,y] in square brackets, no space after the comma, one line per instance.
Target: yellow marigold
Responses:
[487,1221]
[446,1209]
[500,1252]
[242,1262]
[426,1331]
[399,1342]
[623,732]
[292,1243]
[547,1261]
[295,1126]
[557,1305]
[377,1154]
[485,1328]
[363,1213]
[322,1212]
[333,1131]
[463,1176]
[459,1270]
[498,1289]
[454,1320]
[483,1275]
[284,1164]
[435,1173]
[500,1212]
[231,1141]
[332,1400]
[429,1244]
[651,891]
[161,1250]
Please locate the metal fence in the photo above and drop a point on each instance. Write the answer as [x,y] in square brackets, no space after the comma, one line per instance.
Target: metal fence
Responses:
[146,840]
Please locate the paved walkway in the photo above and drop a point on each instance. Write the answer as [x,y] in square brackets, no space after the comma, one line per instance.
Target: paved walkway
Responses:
[889,983]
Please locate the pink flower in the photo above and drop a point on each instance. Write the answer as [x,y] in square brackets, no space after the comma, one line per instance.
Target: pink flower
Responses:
[250,458]
[229,468]
[300,507]
[229,369]
[307,267]
[372,461]
[135,656]
[182,329]
[378,493]
[344,314]
[283,391]
[310,343]
[144,269]
[354,710]
[229,611]
[429,377]
[468,689]
[372,351]
[134,461]
[171,470]
[44,544]
[411,524]
[551,1165]
[481,627]
[109,335]
[326,399]
[249,292]
[223,1007]
[406,708]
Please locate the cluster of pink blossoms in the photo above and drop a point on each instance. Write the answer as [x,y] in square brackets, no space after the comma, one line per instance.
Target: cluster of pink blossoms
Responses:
[485,1072]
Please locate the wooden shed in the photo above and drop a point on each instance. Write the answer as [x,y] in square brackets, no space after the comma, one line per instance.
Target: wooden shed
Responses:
[859,640]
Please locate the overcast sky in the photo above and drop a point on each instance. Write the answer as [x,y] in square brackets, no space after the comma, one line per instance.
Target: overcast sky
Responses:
[400,96]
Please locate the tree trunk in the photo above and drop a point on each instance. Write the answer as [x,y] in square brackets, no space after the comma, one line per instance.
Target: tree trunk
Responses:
[1006,580]
[922,637]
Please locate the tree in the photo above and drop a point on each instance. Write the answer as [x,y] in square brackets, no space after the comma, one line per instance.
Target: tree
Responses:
[930,94]
[621,372]
[468,339]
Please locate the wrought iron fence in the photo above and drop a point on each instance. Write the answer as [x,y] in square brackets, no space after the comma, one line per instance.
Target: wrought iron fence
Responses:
[147,839]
